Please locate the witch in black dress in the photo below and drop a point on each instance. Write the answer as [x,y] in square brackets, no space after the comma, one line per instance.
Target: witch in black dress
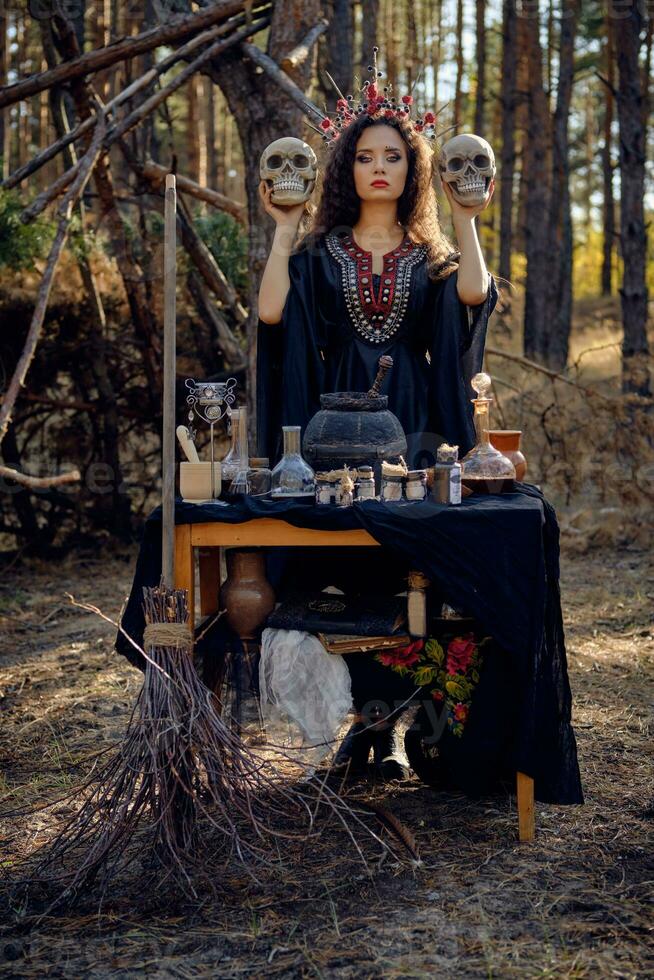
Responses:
[372,274]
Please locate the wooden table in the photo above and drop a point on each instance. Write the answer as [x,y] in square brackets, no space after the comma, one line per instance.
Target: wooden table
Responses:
[268,532]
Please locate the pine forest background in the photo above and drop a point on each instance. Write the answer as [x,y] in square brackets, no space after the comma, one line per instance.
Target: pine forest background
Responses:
[99,100]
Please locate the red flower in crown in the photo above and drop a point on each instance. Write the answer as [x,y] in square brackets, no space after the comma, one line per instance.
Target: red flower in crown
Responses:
[375,103]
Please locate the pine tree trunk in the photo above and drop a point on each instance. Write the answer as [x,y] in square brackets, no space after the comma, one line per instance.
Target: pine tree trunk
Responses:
[437,47]
[192,131]
[411,61]
[4,113]
[608,207]
[369,33]
[340,47]
[262,112]
[508,155]
[521,120]
[633,234]
[560,218]
[537,250]
[212,153]
[480,120]
[458,92]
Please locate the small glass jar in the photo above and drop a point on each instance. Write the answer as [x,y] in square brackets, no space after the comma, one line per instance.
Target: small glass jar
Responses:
[392,488]
[446,488]
[416,485]
[324,489]
[366,484]
[259,477]
[292,477]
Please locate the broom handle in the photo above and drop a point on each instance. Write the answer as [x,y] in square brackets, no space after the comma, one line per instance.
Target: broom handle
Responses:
[168,446]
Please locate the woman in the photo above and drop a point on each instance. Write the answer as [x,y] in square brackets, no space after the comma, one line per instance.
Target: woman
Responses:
[373,274]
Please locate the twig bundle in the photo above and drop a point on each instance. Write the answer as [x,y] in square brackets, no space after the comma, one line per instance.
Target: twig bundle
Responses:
[181,771]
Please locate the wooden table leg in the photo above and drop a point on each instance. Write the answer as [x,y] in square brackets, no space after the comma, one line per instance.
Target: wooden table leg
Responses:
[525,794]
[209,560]
[184,567]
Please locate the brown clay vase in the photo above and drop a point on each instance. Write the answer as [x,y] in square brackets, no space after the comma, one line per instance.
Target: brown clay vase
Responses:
[247,595]
[508,443]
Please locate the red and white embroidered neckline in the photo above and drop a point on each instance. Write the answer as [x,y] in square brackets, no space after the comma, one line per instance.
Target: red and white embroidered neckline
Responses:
[375,318]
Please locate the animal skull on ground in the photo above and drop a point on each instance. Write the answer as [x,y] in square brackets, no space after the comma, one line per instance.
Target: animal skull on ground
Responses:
[291,165]
[467,164]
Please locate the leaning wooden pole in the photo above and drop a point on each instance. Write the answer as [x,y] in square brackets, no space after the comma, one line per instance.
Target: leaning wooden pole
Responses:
[170,326]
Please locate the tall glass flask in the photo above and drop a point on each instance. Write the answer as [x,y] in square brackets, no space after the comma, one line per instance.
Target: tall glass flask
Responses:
[292,477]
[236,459]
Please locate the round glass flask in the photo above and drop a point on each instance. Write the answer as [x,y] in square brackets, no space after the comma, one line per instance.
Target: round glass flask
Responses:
[484,468]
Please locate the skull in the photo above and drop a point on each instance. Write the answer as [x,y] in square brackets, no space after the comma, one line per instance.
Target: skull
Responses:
[467,164]
[292,166]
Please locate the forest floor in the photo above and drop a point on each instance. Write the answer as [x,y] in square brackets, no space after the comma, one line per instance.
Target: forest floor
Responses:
[575,903]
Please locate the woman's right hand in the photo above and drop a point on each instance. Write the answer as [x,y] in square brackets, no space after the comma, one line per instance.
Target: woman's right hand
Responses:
[287,215]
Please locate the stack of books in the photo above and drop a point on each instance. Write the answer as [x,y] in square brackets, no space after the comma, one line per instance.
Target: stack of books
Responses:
[345,624]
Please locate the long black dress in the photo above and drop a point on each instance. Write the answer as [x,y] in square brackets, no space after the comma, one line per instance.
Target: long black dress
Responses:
[339,318]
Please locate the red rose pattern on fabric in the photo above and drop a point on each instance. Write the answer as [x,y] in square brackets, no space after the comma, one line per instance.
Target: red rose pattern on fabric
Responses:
[449,672]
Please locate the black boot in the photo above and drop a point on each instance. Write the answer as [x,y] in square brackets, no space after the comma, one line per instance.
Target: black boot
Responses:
[386,746]
[352,756]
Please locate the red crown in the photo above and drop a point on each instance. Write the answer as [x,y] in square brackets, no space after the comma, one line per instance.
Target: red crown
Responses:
[378,105]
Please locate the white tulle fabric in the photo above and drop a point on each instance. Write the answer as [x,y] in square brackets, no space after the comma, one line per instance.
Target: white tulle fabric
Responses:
[305,687]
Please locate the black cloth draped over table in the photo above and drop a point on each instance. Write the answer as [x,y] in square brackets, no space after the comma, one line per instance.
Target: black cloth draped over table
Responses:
[495,557]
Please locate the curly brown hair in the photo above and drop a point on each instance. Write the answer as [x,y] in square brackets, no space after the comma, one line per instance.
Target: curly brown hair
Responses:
[417,207]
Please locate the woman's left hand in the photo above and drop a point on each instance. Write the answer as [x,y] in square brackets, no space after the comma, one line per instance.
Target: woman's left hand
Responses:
[460,210]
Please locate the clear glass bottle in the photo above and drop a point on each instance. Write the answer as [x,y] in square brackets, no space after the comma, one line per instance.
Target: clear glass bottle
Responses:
[484,468]
[292,477]
[236,460]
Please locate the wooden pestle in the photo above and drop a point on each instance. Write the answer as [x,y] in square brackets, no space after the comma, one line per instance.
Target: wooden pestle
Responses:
[385,364]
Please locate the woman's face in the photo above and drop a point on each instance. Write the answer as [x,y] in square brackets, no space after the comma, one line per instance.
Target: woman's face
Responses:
[381,164]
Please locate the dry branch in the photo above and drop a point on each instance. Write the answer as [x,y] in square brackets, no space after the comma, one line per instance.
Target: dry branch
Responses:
[144,110]
[124,48]
[554,375]
[39,482]
[287,84]
[139,83]
[207,266]
[156,174]
[46,197]
[233,354]
[300,52]
[64,213]
[215,49]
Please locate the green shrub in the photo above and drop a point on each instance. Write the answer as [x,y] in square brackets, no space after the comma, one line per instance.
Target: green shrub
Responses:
[20,244]
[227,240]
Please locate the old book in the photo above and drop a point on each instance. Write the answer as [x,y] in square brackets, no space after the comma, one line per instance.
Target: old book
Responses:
[339,643]
[326,612]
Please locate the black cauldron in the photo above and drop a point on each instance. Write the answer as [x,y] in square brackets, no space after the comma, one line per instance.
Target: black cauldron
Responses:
[354,428]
